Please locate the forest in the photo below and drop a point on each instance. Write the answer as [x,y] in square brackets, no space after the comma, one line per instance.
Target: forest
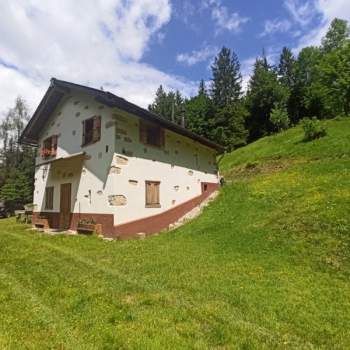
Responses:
[315,83]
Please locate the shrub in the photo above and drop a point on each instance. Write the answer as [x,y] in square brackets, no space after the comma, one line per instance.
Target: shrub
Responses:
[279,118]
[312,129]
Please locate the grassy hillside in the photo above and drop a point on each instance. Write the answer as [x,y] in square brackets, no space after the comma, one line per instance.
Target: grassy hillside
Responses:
[267,266]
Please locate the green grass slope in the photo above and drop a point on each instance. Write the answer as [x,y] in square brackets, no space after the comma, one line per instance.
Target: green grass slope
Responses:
[267,265]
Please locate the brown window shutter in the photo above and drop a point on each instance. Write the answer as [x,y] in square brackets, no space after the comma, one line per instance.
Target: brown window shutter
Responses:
[152,194]
[96,136]
[143,132]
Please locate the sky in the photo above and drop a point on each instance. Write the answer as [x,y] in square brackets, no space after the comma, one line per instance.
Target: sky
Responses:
[130,47]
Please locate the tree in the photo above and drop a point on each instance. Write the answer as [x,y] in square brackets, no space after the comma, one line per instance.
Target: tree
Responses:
[287,77]
[168,105]
[229,127]
[286,68]
[159,106]
[305,75]
[202,90]
[264,91]
[279,117]
[227,79]
[337,35]
[17,166]
[199,110]
[331,86]
[17,189]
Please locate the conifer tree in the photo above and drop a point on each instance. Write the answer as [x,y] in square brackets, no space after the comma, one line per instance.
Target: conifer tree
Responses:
[264,91]
[227,79]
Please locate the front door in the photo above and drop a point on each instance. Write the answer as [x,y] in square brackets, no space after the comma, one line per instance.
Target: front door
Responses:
[65,206]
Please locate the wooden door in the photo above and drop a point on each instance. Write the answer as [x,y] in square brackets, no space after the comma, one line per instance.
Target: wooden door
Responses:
[65,206]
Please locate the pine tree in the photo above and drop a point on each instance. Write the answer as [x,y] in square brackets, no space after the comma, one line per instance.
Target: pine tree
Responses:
[264,91]
[286,68]
[159,106]
[227,80]
[168,105]
[199,110]
[202,90]
[287,77]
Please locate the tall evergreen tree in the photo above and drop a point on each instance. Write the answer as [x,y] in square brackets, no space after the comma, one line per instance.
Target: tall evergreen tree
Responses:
[159,106]
[286,68]
[287,77]
[168,105]
[199,111]
[202,90]
[227,79]
[264,91]
[227,125]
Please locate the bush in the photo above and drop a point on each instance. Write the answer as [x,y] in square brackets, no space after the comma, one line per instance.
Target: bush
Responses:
[279,118]
[312,129]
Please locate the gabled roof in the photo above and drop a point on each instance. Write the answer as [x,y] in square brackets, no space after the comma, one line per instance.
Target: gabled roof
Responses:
[59,88]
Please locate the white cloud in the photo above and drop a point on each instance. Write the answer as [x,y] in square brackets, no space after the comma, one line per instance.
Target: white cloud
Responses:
[224,20]
[302,12]
[327,10]
[197,56]
[276,25]
[247,66]
[96,42]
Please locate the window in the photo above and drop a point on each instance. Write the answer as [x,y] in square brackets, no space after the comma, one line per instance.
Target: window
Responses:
[152,194]
[91,130]
[49,197]
[49,148]
[152,135]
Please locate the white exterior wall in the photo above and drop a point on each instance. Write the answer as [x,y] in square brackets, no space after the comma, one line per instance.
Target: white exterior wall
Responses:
[180,166]
[90,181]
[176,166]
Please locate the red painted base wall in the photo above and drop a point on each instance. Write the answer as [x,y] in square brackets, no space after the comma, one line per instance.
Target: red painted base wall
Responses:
[148,225]
[156,223]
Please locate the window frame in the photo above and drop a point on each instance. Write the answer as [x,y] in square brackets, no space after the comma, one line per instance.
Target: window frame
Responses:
[148,203]
[144,130]
[49,201]
[49,147]
[95,130]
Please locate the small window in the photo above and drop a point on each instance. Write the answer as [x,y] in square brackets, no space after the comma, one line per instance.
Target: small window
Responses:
[49,148]
[91,130]
[49,198]
[152,135]
[152,194]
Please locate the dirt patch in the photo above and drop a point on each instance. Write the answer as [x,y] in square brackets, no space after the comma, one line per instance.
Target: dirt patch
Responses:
[251,169]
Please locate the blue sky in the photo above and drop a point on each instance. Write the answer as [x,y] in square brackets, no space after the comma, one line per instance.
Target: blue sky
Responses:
[130,47]
[268,24]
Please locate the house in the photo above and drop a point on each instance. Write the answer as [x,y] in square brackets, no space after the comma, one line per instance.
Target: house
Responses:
[106,160]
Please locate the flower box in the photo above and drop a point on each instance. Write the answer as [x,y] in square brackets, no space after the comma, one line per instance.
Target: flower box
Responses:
[46,153]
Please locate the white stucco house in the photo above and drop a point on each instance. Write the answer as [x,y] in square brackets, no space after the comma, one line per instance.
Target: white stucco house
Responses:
[105,160]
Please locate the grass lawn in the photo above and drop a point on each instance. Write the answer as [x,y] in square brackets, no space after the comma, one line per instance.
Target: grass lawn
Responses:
[267,266]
